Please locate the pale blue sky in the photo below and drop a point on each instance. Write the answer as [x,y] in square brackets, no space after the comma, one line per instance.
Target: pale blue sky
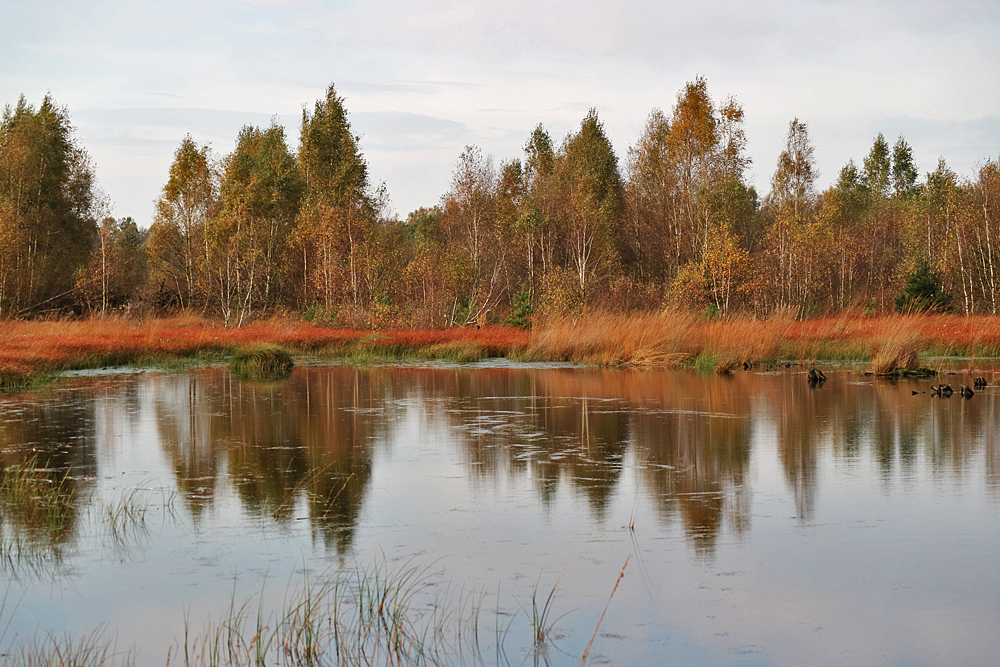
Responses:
[423,78]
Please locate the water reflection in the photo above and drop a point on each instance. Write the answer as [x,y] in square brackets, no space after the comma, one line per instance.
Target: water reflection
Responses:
[43,441]
[308,437]
[304,448]
[690,436]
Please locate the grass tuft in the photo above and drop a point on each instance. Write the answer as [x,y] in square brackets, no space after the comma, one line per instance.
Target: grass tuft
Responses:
[896,348]
[262,362]
[541,614]
[42,501]
[95,649]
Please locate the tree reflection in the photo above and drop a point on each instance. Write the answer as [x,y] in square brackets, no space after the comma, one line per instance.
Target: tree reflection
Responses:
[896,425]
[183,406]
[47,457]
[695,441]
[520,423]
[307,439]
[303,448]
[690,433]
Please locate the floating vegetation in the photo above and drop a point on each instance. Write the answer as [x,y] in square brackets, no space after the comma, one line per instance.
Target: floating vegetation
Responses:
[262,362]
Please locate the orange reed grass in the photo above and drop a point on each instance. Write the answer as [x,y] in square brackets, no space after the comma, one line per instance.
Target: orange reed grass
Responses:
[31,348]
[673,338]
[657,339]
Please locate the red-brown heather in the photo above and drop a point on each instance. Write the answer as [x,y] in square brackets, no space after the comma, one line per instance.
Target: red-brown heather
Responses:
[30,348]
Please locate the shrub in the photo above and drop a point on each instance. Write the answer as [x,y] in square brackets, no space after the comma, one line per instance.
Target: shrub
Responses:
[923,291]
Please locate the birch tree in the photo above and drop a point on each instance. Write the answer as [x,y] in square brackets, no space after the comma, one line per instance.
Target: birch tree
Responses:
[261,189]
[178,245]
[48,204]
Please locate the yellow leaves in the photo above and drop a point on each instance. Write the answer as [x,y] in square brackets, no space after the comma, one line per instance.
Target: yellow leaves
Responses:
[722,277]
[690,287]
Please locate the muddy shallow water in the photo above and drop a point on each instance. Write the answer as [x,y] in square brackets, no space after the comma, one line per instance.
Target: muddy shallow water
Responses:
[763,522]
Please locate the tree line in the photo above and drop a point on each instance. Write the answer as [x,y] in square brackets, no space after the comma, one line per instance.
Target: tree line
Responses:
[564,230]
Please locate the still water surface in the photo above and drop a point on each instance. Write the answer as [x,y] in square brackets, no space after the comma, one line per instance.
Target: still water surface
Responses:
[763,522]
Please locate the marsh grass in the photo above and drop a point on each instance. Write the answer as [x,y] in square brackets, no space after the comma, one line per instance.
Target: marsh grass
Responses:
[123,521]
[672,339]
[460,351]
[22,379]
[41,500]
[37,514]
[366,615]
[361,617]
[644,340]
[94,649]
[372,615]
[541,614]
[33,351]
[262,362]
[705,363]
[896,348]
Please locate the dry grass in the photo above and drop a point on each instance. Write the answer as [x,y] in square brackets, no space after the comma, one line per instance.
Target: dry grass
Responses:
[665,339]
[671,339]
[642,340]
[896,347]
[32,349]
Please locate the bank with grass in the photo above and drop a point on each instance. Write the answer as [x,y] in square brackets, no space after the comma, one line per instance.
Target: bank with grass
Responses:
[31,352]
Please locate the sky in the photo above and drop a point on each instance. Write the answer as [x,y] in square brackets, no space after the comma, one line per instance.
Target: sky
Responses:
[422,79]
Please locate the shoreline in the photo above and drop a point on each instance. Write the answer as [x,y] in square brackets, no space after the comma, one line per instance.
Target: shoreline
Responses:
[31,352]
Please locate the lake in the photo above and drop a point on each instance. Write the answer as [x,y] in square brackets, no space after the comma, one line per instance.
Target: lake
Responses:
[427,513]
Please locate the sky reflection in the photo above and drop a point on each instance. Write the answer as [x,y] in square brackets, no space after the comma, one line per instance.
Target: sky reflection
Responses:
[773,524]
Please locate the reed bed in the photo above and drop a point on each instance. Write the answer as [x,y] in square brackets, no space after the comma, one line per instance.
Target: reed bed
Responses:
[33,350]
[372,615]
[29,350]
[679,339]
[94,649]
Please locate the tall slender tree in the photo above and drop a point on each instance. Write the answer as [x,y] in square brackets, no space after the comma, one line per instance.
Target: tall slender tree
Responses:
[178,246]
[261,189]
[337,209]
[793,183]
[48,205]
[904,170]
[587,172]
[877,175]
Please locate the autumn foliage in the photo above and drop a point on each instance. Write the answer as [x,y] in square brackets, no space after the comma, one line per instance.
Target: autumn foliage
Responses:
[568,230]
[668,258]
